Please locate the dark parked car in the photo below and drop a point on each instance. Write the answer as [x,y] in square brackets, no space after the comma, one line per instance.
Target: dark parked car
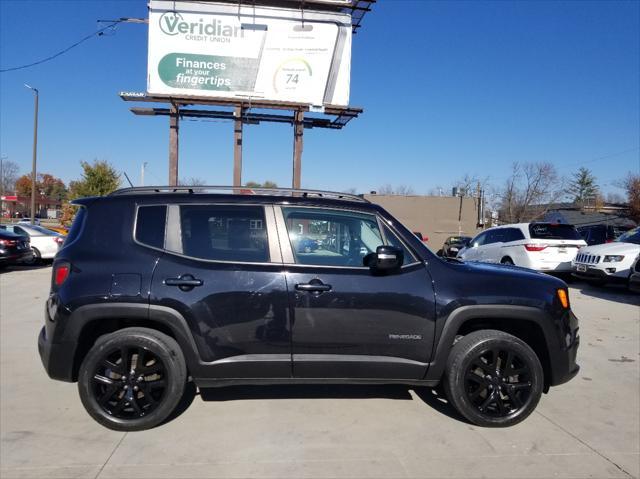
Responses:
[156,285]
[453,244]
[13,248]
[599,234]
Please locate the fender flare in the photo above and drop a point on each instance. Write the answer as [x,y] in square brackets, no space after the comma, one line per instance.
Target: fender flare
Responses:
[445,335]
[83,316]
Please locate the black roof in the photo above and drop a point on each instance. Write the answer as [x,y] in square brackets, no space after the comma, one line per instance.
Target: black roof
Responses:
[224,194]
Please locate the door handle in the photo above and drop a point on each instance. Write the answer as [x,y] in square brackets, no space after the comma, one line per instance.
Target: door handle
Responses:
[186,282]
[314,286]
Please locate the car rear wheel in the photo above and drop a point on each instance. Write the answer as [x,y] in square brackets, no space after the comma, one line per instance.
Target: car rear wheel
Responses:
[507,261]
[132,379]
[493,378]
[34,259]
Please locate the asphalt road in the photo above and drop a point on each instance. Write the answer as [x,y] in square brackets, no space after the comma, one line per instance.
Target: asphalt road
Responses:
[589,427]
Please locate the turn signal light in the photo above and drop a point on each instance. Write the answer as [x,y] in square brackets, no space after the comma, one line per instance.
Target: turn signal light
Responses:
[61,274]
[535,247]
[564,298]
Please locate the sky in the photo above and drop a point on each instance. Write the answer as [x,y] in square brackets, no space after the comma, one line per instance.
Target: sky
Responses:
[448,88]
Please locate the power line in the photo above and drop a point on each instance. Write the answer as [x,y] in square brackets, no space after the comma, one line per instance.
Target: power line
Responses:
[61,52]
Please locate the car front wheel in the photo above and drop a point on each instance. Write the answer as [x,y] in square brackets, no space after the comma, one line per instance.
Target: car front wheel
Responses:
[493,379]
[132,379]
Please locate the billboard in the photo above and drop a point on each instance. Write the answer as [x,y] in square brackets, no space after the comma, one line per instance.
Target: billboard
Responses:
[215,50]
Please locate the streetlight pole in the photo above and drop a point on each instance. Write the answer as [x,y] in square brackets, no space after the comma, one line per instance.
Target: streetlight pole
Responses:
[35,152]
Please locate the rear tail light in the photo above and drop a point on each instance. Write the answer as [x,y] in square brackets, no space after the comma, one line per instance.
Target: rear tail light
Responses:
[8,242]
[535,247]
[61,273]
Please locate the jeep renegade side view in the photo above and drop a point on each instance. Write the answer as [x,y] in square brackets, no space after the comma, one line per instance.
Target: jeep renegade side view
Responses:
[157,286]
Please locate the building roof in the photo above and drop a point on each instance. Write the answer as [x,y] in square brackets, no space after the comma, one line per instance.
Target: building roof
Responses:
[579,217]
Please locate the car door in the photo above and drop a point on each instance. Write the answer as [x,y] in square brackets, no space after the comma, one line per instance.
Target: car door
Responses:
[222,271]
[491,250]
[474,251]
[346,321]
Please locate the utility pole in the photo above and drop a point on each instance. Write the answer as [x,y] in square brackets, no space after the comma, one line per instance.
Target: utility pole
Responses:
[35,152]
[144,165]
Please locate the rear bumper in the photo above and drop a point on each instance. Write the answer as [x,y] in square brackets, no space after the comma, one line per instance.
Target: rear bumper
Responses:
[57,356]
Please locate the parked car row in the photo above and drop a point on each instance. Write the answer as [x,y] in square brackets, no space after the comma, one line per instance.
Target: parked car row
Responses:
[555,248]
[28,244]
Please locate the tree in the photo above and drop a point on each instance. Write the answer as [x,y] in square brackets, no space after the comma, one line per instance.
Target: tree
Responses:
[23,185]
[266,184]
[193,181]
[52,187]
[8,176]
[530,191]
[583,187]
[98,179]
[46,185]
[631,184]
[400,190]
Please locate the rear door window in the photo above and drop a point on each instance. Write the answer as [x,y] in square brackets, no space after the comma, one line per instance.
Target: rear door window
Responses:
[76,226]
[513,234]
[553,231]
[150,225]
[224,233]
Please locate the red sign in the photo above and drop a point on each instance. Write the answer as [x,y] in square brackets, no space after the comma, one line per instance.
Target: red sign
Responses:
[9,198]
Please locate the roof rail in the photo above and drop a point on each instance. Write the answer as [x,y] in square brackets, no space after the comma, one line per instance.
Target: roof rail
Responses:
[242,190]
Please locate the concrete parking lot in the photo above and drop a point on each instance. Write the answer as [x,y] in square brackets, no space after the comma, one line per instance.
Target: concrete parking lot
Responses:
[589,427]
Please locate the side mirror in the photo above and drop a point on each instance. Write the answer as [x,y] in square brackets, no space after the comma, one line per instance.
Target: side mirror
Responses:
[386,258]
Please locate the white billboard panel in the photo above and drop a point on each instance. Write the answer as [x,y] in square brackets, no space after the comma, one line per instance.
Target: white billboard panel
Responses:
[214,50]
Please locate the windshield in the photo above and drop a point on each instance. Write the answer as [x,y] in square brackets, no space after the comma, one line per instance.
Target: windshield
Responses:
[553,231]
[631,236]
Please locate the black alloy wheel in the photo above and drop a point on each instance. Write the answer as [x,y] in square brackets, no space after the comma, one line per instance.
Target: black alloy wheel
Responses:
[129,382]
[493,378]
[498,382]
[132,379]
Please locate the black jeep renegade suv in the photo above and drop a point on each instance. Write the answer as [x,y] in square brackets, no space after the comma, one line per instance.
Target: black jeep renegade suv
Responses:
[156,286]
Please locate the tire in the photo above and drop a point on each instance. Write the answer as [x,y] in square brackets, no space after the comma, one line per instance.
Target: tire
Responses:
[472,375]
[35,259]
[131,397]
[507,260]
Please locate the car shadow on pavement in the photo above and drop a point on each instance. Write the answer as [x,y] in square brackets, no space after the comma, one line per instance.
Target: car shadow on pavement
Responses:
[432,397]
[22,267]
[617,293]
[305,391]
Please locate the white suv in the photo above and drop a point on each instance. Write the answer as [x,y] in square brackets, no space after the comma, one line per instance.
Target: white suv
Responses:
[548,247]
[609,262]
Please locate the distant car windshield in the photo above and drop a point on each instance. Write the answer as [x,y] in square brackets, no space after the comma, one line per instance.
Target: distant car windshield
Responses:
[631,236]
[553,231]
[459,239]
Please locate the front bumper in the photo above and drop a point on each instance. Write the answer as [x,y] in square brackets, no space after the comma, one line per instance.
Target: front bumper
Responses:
[597,275]
[563,358]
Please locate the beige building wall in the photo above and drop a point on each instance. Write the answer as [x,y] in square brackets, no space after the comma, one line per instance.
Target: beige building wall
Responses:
[434,216]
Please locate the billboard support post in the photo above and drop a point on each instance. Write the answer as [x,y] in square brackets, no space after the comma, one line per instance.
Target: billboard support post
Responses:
[237,146]
[174,126]
[298,131]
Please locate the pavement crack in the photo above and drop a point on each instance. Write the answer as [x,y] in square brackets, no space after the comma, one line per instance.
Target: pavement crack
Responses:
[111,455]
[622,469]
